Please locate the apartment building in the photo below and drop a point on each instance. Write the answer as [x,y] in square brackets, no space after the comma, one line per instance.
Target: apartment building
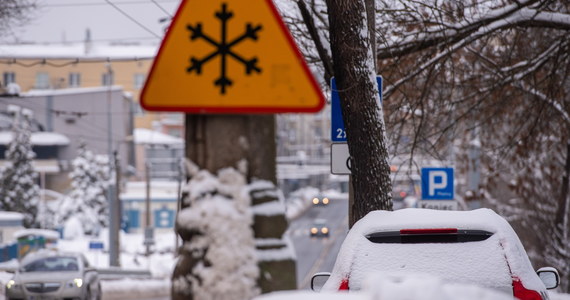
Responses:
[87,64]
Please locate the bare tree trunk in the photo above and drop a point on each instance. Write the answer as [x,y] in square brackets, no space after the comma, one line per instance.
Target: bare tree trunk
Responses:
[363,117]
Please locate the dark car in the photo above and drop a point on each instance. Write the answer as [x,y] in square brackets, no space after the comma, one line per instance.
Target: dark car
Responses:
[319,228]
[321,201]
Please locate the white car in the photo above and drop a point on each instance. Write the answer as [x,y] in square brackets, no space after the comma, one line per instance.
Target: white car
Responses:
[49,274]
[471,247]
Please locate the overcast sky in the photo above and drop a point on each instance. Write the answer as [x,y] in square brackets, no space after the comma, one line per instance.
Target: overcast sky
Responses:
[57,20]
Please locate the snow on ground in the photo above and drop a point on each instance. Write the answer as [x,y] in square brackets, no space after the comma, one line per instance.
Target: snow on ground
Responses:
[160,263]
[135,289]
[299,202]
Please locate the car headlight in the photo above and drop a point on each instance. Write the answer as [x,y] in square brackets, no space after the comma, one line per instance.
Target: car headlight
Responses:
[314,230]
[77,282]
[315,200]
[11,284]
[324,230]
[325,200]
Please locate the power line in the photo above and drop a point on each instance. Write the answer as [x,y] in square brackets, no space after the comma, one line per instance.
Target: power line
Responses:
[132,19]
[161,8]
[98,3]
[46,61]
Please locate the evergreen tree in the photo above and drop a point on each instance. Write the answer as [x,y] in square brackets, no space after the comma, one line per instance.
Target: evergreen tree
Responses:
[19,189]
[87,200]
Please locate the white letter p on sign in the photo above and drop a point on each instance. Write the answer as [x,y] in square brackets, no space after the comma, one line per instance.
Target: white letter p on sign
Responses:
[433,185]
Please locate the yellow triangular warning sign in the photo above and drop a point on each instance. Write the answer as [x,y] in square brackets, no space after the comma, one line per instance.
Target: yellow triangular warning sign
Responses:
[230,56]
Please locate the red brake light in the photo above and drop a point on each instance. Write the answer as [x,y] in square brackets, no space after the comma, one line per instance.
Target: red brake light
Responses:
[343,285]
[429,231]
[522,293]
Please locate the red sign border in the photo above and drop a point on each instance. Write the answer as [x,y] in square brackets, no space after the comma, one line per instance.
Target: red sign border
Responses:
[238,109]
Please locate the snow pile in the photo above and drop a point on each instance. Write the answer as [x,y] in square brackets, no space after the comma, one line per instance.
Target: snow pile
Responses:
[73,229]
[482,262]
[262,189]
[132,256]
[147,136]
[221,246]
[299,202]
[135,289]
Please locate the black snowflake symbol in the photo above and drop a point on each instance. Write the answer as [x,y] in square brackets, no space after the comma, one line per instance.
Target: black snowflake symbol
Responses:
[223,48]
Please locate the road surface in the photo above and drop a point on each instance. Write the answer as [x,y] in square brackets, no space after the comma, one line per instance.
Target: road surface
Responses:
[318,254]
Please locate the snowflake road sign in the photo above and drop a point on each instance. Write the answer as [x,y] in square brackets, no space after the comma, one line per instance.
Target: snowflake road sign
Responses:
[230,56]
[223,48]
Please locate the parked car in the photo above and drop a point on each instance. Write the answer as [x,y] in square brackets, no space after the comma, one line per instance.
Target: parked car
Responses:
[319,228]
[48,274]
[476,246]
[321,201]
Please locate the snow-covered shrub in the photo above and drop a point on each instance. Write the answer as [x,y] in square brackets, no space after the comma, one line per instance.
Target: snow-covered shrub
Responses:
[18,188]
[87,200]
[219,250]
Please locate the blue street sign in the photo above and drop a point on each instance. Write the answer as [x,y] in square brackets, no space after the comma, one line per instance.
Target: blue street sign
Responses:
[338,133]
[95,245]
[437,184]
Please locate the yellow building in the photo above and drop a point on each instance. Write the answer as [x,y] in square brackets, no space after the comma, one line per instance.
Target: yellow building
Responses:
[57,66]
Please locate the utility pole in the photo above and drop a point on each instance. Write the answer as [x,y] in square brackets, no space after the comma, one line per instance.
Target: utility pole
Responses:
[111,194]
[179,201]
[148,230]
[115,211]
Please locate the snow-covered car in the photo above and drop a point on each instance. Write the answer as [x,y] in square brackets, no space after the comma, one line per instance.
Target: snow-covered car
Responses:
[476,247]
[319,228]
[321,201]
[49,274]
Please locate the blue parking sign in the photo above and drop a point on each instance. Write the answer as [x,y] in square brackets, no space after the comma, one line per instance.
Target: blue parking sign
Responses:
[437,184]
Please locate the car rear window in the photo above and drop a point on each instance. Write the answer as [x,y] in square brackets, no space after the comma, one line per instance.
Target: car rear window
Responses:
[480,261]
[424,236]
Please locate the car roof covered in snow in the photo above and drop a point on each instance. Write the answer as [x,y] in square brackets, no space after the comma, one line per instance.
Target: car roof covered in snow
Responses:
[357,247]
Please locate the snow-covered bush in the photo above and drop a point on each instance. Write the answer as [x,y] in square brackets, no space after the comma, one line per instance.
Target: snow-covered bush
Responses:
[87,200]
[218,256]
[18,188]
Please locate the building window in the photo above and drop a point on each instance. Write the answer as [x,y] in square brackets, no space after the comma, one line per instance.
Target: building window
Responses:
[139,80]
[42,80]
[107,79]
[74,79]
[9,77]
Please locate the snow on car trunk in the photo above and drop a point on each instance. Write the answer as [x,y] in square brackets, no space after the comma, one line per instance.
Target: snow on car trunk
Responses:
[384,286]
[490,262]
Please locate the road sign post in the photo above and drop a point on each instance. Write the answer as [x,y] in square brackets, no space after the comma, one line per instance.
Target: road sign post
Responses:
[224,63]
